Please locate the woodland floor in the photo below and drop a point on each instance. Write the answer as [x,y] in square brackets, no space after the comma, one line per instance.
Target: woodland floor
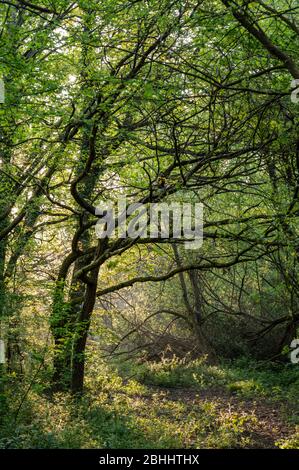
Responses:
[267,427]
[162,405]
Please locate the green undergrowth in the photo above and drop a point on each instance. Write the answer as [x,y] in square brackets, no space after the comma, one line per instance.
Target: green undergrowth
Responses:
[155,405]
[242,377]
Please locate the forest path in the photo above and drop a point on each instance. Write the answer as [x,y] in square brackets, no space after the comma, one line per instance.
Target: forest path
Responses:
[265,422]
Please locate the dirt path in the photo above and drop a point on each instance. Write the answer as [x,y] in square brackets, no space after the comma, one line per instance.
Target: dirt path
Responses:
[270,424]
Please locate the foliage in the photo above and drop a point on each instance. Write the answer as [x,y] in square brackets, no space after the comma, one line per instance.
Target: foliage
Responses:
[158,101]
[120,412]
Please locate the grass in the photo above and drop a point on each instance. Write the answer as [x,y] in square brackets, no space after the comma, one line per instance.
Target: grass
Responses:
[247,379]
[171,404]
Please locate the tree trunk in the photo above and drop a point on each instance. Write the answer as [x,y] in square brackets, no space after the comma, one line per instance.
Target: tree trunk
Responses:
[195,312]
[82,328]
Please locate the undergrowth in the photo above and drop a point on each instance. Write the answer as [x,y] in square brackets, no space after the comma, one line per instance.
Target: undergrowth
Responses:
[130,405]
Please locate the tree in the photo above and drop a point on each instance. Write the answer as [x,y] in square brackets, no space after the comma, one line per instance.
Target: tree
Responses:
[158,101]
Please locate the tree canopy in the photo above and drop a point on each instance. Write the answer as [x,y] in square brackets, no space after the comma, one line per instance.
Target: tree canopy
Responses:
[156,101]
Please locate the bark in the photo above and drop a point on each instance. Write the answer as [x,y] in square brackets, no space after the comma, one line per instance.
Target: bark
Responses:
[82,328]
[195,311]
